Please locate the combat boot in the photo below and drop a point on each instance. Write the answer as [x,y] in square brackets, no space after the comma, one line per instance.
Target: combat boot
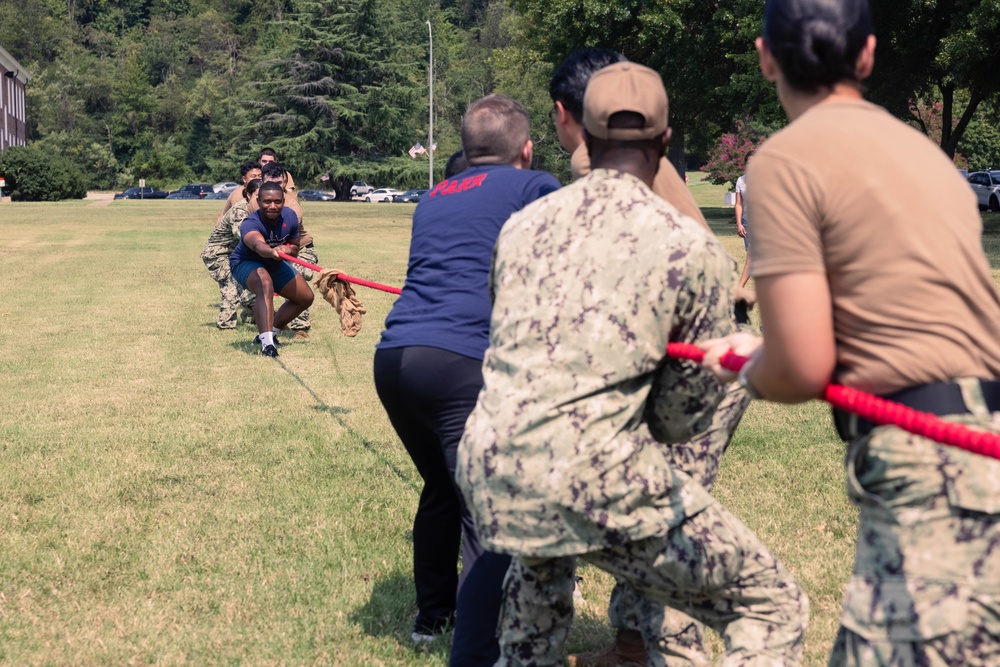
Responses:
[627,651]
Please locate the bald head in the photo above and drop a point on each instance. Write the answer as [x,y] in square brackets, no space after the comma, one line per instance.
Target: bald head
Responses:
[495,131]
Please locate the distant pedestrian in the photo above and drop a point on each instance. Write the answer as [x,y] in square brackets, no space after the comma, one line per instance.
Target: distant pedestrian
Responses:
[743,220]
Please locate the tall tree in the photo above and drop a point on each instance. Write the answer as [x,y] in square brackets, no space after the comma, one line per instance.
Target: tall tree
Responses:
[703,49]
[342,87]
[935,50]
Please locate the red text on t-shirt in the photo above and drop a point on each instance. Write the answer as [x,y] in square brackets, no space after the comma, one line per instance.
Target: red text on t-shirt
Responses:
[454,185]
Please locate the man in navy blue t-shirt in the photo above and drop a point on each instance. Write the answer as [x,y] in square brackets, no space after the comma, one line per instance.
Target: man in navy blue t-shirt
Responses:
[428,366]
[256,265]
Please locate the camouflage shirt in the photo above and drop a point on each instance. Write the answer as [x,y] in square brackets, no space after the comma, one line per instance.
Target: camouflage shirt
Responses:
[562,453]
[226,235]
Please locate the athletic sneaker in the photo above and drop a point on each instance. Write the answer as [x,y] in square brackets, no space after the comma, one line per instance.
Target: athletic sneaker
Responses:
[420,639]
[256,341]
[269,351]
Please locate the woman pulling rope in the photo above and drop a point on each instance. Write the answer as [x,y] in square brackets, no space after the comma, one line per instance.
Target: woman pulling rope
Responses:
[867,282]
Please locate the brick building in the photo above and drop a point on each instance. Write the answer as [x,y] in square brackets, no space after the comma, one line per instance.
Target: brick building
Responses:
[13,77]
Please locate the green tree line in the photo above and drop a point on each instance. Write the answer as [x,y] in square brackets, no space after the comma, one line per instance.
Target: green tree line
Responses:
[185,90]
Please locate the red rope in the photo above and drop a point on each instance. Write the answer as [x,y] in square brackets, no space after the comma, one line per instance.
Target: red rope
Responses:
[342,276]
[876,410]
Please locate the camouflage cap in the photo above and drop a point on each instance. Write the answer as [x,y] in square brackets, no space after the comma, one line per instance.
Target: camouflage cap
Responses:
[625,86]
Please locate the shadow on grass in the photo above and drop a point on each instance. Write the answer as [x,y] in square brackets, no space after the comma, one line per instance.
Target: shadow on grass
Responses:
[390,610]
[337,414]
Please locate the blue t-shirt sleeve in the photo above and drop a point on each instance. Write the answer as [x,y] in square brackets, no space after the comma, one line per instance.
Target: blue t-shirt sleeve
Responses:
[250,224]
[540,185]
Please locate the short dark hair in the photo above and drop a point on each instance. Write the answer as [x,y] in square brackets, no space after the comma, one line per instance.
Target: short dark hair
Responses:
[267,151]
[272,170]
[494,131]
[569,82]
[456,164]
[251,187]
[248,166]
[270,186]
[816,43]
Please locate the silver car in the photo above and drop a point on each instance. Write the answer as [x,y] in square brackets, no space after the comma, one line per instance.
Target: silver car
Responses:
[986,185]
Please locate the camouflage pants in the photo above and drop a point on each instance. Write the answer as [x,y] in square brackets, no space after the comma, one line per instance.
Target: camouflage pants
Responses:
[926,584]
[681,640]
[711,566]
[231,295]
[302,323]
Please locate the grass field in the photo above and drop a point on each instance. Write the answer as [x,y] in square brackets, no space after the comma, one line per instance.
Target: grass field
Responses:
[168,497]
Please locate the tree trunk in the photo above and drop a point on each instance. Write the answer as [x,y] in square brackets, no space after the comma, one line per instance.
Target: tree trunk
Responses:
[947,106]
[951,145]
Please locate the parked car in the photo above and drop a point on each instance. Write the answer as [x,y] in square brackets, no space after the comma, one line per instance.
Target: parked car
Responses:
[221,194]
[225,186]
[317,195]
[410,196]
[199,189]
[361,188]
[183,194]
[142,193]
[382,195]
[986,185]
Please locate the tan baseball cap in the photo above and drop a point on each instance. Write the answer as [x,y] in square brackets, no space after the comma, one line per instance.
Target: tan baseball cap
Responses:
[625,86]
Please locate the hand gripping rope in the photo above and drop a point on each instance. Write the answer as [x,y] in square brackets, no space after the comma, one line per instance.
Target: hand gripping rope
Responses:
[875,409]
[343,276]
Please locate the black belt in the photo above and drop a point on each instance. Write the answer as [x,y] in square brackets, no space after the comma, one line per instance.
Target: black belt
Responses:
[939,398]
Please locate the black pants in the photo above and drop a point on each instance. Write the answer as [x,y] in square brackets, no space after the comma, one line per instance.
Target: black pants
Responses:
[428,394]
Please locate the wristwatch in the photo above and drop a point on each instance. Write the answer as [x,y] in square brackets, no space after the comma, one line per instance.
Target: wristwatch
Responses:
[744,381]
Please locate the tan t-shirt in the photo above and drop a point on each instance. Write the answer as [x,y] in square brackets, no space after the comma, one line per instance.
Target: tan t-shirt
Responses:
[668,184]
[850,191]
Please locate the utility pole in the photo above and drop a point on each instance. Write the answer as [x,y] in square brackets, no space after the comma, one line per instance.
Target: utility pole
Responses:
[430,78]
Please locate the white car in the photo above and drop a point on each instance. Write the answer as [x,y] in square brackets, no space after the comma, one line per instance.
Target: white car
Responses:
[986,185]
[360,188]
[382,195]
[227,186]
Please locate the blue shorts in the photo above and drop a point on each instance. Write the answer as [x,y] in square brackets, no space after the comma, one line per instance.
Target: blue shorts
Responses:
[746,239]
[284,275]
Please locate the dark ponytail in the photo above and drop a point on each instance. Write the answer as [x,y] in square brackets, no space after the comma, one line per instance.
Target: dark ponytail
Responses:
[816,42]
[251,188]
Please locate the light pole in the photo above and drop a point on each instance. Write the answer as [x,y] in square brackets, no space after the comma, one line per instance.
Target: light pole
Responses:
[430,77]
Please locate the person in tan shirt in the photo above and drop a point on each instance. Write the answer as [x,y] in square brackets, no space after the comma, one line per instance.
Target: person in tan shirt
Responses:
[868,281]
[268,155]
[249,171]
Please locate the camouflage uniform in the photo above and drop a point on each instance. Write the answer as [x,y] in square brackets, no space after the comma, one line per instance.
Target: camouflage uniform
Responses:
[681,639]
[926,583]
[562,456]
[306,254]
[224,238]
